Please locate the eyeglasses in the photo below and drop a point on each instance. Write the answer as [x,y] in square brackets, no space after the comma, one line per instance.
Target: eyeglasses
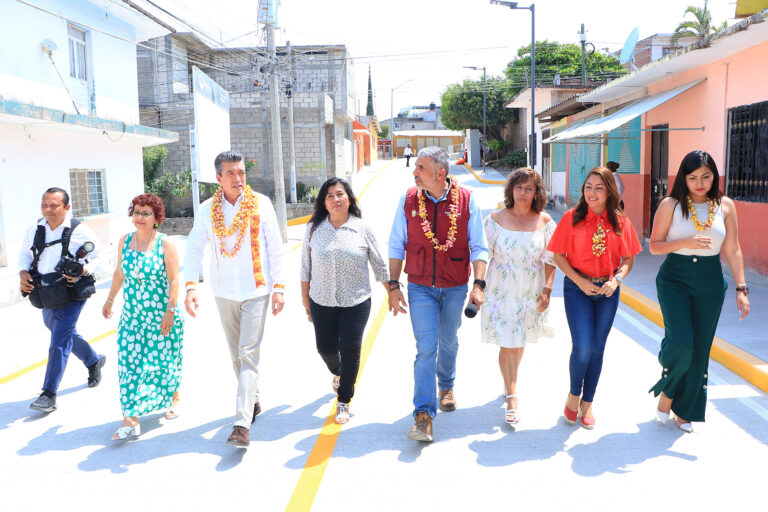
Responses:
[142,214]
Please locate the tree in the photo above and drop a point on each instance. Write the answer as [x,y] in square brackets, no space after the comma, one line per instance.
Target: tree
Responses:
[701,28]
[369,107]
[554,58]
[384,133]
[462,106]
[153,161]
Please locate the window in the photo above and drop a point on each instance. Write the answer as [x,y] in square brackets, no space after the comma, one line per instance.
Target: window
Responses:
[77,54]
[747,164]
[397,125]
[87,191]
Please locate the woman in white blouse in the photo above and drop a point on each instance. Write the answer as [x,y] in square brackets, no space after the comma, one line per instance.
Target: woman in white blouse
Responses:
[692,226]
[335,286]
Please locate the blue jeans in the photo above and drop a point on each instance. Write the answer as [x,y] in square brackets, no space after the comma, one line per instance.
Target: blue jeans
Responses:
[65,339]
[435,317]
[590,318]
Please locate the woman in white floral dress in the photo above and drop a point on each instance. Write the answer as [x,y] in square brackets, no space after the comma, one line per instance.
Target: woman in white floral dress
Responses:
[519,278]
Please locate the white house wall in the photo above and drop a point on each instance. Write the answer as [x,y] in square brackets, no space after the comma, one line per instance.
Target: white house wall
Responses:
[36,157]
[26,72]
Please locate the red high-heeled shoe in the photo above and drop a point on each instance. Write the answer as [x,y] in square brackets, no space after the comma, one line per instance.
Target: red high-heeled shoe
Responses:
[570,416]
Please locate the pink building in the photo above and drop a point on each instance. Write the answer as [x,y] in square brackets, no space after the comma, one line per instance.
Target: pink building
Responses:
[712,97]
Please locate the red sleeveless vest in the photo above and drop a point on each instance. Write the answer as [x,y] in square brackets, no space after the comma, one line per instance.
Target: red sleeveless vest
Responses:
[423,263]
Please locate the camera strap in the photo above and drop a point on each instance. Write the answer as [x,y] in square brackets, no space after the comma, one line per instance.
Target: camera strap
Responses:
[39,244]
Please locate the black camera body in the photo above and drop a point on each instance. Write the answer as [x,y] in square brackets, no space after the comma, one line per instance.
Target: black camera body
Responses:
[69,265]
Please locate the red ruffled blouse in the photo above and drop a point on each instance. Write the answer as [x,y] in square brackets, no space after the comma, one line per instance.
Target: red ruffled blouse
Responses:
[591,250]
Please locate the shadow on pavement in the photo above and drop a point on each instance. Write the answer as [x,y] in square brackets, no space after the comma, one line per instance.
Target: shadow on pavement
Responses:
[523,445]
[118,457]
[613,453]
[357,441]
[11,412]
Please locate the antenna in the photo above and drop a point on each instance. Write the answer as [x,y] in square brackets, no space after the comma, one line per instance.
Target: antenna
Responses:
[628,52]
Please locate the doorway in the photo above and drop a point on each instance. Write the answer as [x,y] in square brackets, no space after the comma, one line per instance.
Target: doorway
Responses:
[659,166]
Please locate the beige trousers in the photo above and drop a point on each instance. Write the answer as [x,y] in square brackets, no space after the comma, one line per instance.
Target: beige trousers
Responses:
[243,324]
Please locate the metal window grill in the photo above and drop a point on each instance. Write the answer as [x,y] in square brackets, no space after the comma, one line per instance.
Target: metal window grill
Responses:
[747,173]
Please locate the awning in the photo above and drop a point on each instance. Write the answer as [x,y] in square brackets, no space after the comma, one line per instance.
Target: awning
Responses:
[610,122]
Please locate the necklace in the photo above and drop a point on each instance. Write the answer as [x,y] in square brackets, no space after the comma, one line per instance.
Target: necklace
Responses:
[453,208]
[142,256]
[695,219]
[248,208]
[598,241]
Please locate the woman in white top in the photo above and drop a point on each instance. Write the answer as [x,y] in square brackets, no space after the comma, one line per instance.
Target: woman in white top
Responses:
[692,226]
[519,278]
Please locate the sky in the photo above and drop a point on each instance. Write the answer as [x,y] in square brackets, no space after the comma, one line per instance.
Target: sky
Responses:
[416,48]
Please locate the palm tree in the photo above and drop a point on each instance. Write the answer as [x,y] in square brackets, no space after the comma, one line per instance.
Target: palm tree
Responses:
[701,28]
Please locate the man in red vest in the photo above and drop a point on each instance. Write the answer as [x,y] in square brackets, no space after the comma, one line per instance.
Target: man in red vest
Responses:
[438,230]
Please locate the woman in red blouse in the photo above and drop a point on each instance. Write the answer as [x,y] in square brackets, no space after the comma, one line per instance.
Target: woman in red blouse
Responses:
[594,245]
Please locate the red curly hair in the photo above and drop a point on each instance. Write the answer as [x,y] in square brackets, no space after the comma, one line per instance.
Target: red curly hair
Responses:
[153,202]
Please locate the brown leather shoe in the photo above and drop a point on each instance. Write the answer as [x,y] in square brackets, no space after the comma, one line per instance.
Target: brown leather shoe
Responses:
[422,429]
[447,402]
[256,411]
[239,437]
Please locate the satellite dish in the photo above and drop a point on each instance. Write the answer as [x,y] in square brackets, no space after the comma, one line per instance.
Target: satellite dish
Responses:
[628,52]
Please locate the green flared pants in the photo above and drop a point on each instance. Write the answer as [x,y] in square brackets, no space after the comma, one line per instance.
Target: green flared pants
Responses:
[691,290]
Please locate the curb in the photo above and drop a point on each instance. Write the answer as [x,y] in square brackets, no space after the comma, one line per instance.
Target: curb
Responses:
[481,180]
[739,361]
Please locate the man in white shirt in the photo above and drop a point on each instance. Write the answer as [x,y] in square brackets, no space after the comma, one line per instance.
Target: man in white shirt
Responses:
[246,267]
[61,320]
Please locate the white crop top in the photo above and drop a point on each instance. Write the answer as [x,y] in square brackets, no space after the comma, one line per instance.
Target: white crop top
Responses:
[683,228]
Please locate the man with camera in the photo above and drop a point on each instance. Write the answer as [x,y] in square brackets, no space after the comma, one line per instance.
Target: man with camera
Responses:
[438,231]
[57,281]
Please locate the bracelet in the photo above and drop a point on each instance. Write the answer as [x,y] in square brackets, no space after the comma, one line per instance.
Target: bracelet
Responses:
[394,284]
[109,301]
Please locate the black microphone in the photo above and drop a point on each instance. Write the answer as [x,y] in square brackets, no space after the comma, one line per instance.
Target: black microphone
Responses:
[471,310]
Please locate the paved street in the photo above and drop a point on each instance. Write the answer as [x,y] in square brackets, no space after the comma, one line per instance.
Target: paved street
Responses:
[628,462]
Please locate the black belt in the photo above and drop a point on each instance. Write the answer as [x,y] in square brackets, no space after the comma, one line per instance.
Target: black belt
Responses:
[596,280]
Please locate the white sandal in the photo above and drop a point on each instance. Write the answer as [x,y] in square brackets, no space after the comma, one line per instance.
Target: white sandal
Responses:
[126,432]
[511,416]
[342,413]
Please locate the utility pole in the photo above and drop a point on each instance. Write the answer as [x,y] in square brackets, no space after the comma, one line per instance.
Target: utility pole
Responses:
[485,140]
[583,37]
[291,142]
[277,143]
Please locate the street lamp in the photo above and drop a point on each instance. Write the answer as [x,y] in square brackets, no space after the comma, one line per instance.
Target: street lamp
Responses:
[392,114]
[532,137]
[484,139]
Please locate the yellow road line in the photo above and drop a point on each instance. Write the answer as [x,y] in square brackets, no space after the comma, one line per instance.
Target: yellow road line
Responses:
[740,362]
[309,481]
[481,180]
[19,373]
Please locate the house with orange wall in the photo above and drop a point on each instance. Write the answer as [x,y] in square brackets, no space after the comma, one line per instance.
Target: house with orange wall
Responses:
[713,96]
[366,140]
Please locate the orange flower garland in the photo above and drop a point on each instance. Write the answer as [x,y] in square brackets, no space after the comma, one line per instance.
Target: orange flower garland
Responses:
[453,208]
[247,216]
[696,222]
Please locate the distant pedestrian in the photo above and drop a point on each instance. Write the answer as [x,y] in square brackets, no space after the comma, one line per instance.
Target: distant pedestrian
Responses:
[151,330]
[614,168]
[438,231]
[247,266]
[595,246]
[335,287]
[54,272]
[519,278]
[692,226]
[407,154]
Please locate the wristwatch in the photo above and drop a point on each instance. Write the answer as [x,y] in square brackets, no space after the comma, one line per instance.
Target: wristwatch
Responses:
[393,284]
[480,283]
[618,278]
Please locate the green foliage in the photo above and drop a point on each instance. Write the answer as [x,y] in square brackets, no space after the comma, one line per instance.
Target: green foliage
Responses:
[700,28]
[557,58]
[249,164]
[170,184]
[497,145]
[384,133]
[305,193]
[153,157]
[515,159]
[462,106]
[369,106]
